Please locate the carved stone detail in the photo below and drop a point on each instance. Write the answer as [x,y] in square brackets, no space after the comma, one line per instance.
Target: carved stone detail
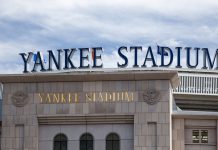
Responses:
[19,99]
[151,96]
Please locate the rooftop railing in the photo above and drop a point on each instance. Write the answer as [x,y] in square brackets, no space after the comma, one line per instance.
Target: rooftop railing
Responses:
[197,83]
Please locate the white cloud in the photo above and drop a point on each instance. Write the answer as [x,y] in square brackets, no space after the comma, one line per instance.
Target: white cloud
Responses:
[10,68]
[172,43]
[56,24]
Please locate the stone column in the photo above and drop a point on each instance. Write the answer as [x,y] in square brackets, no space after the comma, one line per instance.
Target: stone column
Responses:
[178,131]
[152,119]
[19,123]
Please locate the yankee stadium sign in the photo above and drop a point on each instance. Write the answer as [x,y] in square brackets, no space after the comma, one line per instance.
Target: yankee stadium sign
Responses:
[64,59]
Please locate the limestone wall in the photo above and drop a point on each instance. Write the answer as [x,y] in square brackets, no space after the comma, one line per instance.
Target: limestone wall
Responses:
[151,122]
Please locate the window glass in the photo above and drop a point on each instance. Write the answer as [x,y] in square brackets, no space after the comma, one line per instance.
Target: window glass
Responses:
[60,142]
[86,142]
[195,136]
[112,142]
[200,136]
[204,136]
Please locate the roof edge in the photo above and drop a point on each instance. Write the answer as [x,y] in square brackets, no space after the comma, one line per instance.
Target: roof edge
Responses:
[92,76]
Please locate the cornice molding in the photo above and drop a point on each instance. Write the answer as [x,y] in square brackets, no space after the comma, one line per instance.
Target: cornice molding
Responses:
[92,76]
[78,120]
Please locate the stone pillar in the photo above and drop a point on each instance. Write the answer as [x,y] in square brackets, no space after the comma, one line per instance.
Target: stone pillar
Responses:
[152,119]
[178,136]
[19,123]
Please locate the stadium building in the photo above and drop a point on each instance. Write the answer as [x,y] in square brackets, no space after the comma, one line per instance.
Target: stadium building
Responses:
[110,110]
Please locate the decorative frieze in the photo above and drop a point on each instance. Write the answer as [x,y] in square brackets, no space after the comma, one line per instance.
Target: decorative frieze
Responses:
[151,96]
[19,99]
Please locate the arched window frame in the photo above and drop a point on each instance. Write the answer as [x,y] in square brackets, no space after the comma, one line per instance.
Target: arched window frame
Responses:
[54,140]
[112,133]
[87,133]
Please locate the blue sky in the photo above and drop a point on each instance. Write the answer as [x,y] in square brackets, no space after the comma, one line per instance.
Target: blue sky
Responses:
[27,25]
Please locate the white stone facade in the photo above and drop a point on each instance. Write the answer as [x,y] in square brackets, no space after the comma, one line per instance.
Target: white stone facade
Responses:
[140,125]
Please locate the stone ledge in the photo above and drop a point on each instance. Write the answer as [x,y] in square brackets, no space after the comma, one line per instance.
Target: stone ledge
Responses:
[202,115]
[92,76]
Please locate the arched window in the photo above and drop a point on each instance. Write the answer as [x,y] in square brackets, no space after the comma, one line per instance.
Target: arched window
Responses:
[60,142]
[112,142]
[86,142]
